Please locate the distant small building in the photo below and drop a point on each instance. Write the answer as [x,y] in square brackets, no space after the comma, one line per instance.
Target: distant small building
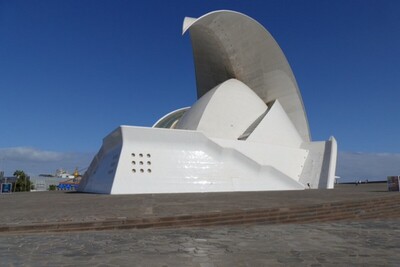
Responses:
[70,184]
[61,173]
[8,179]
[42,183]
[393,183]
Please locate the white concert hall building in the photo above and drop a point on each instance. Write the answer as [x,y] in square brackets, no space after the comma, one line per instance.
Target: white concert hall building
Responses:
[247,131]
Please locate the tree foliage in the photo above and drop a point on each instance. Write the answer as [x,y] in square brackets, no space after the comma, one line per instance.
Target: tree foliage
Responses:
[23,182]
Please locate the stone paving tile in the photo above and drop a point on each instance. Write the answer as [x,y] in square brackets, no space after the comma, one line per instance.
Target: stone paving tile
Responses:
[362,243]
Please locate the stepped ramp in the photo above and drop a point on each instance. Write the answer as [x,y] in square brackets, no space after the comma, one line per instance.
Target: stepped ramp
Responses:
[347,202]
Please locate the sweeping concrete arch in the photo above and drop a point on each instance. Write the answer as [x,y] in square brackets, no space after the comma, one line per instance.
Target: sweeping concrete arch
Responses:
[228,44]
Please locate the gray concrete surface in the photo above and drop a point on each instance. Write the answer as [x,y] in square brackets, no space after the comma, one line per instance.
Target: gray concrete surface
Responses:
[344,243]
[365,243]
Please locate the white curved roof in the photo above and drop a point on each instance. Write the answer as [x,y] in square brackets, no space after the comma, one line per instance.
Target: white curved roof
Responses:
[226,111]
[229,44]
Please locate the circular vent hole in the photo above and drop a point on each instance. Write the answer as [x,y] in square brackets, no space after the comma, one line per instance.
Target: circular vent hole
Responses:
[148,155]
[133,162]
[141,155]
[149,170]
[141,170]
[148,163]
[133,170]
[133,154]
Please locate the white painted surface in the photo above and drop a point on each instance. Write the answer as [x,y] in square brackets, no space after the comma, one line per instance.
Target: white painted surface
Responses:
[288,160]
[183,161]
[225,111]
[276,128]
[332,163]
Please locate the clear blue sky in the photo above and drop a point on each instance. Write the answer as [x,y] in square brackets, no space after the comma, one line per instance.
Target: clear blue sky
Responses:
[72,71]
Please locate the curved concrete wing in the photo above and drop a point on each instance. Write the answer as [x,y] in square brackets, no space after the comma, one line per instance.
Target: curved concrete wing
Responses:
[169,120]
[229,44]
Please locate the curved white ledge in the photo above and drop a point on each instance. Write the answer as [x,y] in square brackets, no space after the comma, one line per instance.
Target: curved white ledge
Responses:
[169,120]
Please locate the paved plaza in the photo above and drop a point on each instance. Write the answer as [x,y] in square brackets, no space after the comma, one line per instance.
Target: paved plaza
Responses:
[372,242]
[366,243]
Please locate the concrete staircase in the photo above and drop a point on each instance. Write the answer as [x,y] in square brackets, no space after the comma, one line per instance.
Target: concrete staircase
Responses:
[373,208]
